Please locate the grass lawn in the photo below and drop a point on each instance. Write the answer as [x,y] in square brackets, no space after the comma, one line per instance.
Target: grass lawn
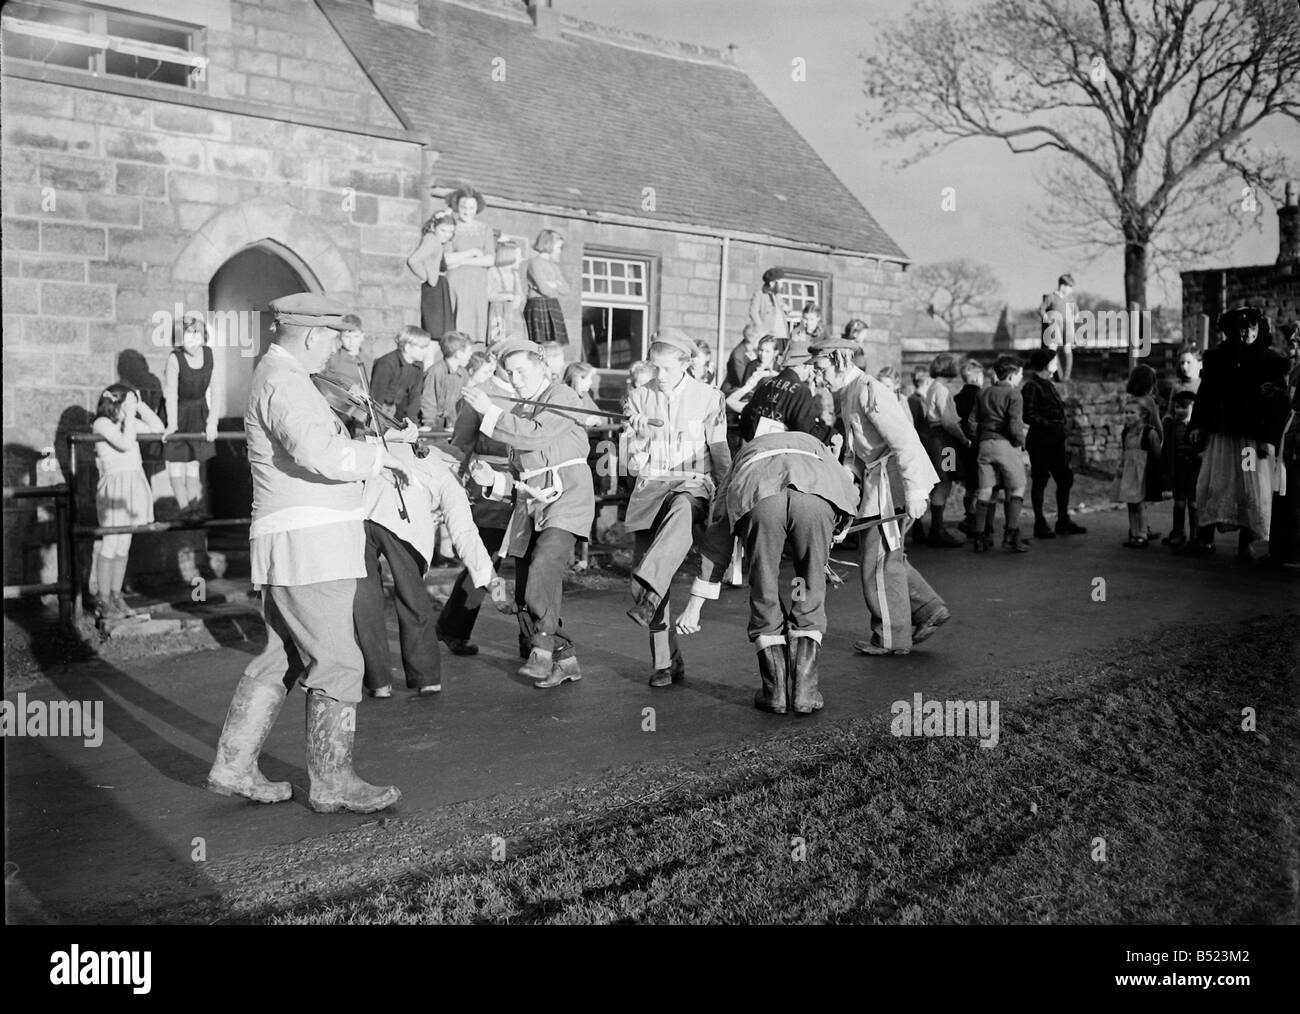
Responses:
[1137,750]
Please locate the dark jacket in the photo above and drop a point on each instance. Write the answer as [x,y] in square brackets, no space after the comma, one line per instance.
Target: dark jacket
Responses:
[1044,409]
[1232,399]
[788,400]
[398,384]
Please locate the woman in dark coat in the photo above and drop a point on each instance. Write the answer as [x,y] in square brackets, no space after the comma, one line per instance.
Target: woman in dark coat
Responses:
[1235,422]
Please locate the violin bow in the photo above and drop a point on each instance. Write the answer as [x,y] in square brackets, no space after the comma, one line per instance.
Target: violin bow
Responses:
[374,421]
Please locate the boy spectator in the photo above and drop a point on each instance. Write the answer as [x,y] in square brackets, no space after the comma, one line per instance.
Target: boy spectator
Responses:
[445,381]
[1001,435]
[398,377]
[1181,464]
[1048,456]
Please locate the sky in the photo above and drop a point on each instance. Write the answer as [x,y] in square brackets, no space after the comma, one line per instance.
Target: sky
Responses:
[994,188]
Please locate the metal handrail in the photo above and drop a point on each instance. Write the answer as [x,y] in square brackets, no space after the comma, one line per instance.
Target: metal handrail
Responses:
[65,587]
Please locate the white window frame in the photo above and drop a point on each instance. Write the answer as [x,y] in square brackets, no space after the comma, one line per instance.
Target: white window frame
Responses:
[610,301]
[98,39]
[812,289]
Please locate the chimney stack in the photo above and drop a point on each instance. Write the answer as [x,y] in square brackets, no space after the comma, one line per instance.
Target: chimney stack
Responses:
[546,19]
[398,12]
[1288,229]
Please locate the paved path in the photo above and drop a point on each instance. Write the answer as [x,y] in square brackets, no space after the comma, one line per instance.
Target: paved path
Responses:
[120,819]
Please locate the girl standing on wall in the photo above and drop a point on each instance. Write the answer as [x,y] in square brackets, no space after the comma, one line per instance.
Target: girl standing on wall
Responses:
[429,264]
[187,392]
[472,253]
[505,294]
[542,314]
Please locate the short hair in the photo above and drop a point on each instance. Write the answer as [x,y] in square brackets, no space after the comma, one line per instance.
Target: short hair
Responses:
[769,339]
[854,325]
[452,342]
[351,322]
[920,373]
[1039,358]
[548,347]
[943,365]
[443,217]
[1143,409]
[1066,280]
[412,335]
[640,367]
[1141,382]
[477,361]
[463,191]
[507,253]
[545,241]
[682,355]
[811,308]
[111,401]
[1007,365]
[887,373]
[748,331]
[577,371]
[971,365]
[1183,399]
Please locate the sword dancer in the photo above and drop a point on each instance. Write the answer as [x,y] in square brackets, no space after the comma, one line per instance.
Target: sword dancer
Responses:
[307,548]
[785,487]
[681,465]
[460,613]
[555,500]
[885,454]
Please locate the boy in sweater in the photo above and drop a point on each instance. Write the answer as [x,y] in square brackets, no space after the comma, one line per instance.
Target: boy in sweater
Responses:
[1001,436]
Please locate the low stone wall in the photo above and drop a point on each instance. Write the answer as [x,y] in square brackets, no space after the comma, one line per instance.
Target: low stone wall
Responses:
[1094,414]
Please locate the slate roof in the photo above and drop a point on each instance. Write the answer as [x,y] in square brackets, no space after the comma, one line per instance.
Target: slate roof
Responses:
[586,125]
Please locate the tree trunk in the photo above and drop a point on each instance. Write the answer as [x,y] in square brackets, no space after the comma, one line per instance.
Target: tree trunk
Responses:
[1135,294]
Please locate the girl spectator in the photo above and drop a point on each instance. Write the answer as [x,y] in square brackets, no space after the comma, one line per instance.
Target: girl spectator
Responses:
[702,362]
[429,264]
[1232,423]
[1139,458]
[187,391]
[765,310]
[1142,385]
[582,378]
[639,374]
[471,254]
[122,496]
[505,294]
[944,440]
[761,369]
[542,314]
[888,376]
[477,371]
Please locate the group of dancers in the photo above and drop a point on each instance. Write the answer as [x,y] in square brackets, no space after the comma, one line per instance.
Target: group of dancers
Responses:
[328,502]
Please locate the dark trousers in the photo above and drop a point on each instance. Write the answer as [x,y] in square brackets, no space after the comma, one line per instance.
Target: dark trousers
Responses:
[460,612]
[1048,459]
[1284,529]
[806,522]
[415,624]
[539,588]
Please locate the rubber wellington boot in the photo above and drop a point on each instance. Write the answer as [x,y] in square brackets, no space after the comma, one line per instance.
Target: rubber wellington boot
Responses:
[252,712]
[335,787]
[803,663]
[772,671]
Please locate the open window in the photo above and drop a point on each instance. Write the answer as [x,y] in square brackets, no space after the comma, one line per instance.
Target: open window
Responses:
[615,309]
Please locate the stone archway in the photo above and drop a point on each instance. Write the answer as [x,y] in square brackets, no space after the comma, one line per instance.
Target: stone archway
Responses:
[266,221]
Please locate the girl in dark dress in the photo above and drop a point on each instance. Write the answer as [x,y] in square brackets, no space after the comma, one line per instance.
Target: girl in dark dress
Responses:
[429,264]
[187,386]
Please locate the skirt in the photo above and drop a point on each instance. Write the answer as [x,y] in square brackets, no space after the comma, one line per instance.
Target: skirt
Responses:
[545,320]
[436,314]
[123,497]
[1228,492]
[469,300]
[1130,484]
[192,418]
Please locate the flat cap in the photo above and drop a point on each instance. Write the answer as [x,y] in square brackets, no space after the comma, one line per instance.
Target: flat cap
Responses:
[797,353]
[676,339]
[310,309]
[509,346]
[826,345]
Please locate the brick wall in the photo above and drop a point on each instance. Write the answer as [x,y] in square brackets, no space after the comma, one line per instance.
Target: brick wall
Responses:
[1273,287]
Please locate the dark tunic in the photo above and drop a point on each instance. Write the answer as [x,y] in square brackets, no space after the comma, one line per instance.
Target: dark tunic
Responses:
[191,409]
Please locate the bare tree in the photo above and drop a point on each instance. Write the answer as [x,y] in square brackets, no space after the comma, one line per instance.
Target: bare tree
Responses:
[955,292]
[1147,105]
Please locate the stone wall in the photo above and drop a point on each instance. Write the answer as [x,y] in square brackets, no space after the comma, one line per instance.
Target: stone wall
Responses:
[1094,414]
[1275,288]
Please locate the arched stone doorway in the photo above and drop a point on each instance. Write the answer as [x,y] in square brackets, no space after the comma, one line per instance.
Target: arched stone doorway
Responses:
[245,257]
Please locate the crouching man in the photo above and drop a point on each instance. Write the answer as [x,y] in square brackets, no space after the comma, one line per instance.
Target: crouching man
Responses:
[307,546]
[784,487]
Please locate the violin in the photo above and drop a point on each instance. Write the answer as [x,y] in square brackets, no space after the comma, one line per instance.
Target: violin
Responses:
[352,405]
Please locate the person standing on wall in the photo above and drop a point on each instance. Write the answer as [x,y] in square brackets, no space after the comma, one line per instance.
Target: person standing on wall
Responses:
[1059,312]
[187,390]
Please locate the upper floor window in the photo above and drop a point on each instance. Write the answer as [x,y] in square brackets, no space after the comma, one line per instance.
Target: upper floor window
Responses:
[102,41]
[796,290]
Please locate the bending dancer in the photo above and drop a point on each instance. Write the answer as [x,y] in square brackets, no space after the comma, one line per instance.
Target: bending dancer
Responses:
[886,454]
[555,502]
[459,614]
[307,546]
[681,465]
[785,487]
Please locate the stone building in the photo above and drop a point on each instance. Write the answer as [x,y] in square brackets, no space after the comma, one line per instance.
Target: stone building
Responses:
[215,154]
[1275,288]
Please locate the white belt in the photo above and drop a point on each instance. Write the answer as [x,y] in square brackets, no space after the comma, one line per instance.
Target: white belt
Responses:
[546,494]
[782,450]
[766,425]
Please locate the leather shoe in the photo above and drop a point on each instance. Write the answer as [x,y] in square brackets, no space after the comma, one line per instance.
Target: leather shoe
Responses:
[564,669]
[1068,527]
[538,666]
[459,646]
[675,673]
[1042,530]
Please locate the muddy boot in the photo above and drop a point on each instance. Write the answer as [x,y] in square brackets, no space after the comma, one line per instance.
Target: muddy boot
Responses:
[803,665]
[773,672]
[539,665]
[1012,541]
[252,712]
[562,670]
[335,787]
